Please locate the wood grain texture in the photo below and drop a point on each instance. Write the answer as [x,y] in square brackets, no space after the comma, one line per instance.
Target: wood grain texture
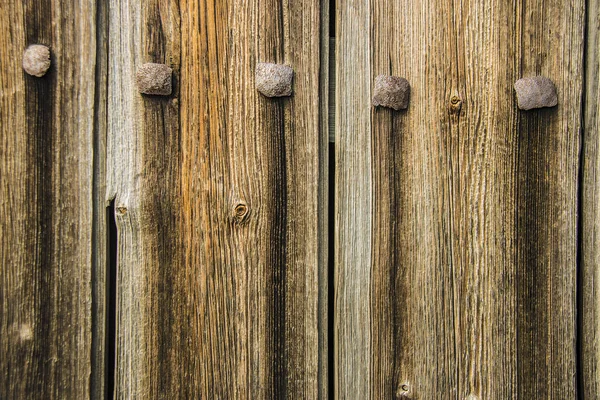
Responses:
[353,201]
[220,199]
[50,128]
[457,219]
[590,209]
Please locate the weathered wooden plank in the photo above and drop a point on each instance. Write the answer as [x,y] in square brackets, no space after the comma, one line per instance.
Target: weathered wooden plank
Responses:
[547,185]
[221,201]
[456,247]
[414,350]
[590,212]
[49,130]
[353,201]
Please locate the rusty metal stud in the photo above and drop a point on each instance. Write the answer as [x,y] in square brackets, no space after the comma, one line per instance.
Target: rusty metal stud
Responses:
[391,92]
[535,92]
[274,80]
[154,79]
[36,60]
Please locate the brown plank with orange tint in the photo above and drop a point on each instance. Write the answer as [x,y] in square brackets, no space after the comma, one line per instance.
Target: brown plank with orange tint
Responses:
[220,199]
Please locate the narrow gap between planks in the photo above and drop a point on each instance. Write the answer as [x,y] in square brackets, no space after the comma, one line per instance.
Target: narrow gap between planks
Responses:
[579,384]
[111,309]
[331,205]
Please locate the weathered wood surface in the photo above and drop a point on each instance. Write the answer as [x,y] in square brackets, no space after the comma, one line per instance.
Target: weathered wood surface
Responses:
[220,199]
[590,212]
[456,220]
[51,296]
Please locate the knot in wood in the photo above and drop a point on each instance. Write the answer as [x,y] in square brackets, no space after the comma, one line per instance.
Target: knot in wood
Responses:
[274,80]
[535,92]
[155,79]
[121,210]
[403,391]
[36,60]
[455,105]
[241,212]
[391,92]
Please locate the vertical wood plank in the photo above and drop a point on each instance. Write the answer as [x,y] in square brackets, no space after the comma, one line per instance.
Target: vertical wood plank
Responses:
[414,309]
[142,159]
[589,335]
[466,207]
[220,197]
[353,201]
[51,302]
[547,186]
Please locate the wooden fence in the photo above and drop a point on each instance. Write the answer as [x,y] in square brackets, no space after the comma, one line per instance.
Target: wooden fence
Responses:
[214,244]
